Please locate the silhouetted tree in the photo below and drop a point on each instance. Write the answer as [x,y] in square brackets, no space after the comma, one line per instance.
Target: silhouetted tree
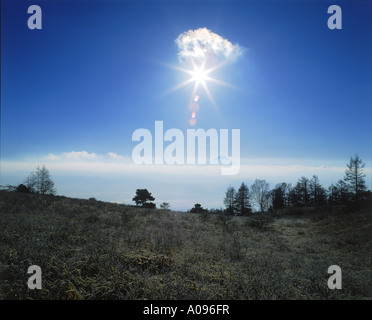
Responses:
[241,201]
[229,200]
[260,194]
[198,208]
[164,205]
[343,192]
[23,189]
[40,181]
[149,205]
[332,194]
[354,177]
[142,197]
[318,195]
[339,193]
[301,193]
[280,196]
[292,197]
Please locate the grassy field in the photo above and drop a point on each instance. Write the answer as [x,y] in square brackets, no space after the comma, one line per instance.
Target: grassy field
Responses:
[95,250]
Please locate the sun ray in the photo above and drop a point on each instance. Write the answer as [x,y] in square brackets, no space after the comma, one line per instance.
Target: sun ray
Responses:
[222,83]
[199,76]
[194,90]
[180,85]
[209,95]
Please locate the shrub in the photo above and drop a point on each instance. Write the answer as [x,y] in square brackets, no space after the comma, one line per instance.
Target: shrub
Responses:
[23,189]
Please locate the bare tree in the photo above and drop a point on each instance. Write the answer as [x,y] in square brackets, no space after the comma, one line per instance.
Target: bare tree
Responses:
[260,194]
[40,181]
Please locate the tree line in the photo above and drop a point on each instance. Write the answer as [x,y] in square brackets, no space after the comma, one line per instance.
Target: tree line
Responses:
[305,193]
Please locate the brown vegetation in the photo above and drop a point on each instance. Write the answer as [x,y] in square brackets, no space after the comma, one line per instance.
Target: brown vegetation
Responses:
[96,250]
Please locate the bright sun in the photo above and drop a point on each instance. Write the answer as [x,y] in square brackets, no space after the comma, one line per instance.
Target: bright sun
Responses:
[199,75]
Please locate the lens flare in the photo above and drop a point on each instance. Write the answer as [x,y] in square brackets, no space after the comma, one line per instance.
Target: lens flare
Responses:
[192,121]
[194,106]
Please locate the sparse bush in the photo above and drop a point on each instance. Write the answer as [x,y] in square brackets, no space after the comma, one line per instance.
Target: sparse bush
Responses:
[198,209]
[149,205]
[23,189]
[164,205]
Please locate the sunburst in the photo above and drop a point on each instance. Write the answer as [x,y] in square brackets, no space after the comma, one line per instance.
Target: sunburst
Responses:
[199,75]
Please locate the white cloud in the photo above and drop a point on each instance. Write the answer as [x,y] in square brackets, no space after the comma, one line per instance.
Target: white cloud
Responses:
[202,43]
[52,157]
[113,155]
[79,155]
[117,157]
[73,155]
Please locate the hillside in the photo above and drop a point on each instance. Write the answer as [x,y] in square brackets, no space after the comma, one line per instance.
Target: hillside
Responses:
[95,250]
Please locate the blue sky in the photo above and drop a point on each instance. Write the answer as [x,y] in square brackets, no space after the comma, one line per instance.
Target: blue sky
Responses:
[73,93]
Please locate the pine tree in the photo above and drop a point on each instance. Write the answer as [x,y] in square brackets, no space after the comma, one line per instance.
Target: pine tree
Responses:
[317,192]
[241,202]
[343,192]
[302,192]
[142,197]
[354,177]
[280,196]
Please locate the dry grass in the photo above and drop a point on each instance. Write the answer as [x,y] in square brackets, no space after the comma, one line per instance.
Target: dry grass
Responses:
[96,250]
